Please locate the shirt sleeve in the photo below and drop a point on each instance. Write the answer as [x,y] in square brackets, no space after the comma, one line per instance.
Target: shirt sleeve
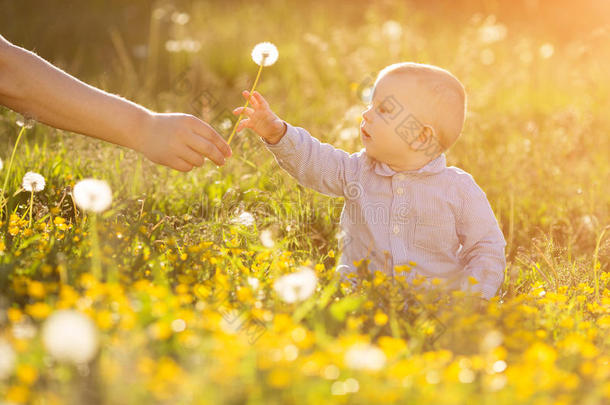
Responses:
[482,242]
[316,165]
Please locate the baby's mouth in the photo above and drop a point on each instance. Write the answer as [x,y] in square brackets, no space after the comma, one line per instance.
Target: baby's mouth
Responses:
[365,134]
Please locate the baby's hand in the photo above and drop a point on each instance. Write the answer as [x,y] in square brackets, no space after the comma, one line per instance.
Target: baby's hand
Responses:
[180,141]
[261,119]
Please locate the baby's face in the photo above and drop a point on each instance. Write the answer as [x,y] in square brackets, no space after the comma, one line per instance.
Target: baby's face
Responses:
[390,124]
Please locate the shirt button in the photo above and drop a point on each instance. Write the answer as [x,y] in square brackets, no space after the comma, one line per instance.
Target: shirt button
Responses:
[400,191]
[396,229]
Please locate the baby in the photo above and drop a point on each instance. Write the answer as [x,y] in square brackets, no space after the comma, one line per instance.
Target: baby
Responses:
[403,206]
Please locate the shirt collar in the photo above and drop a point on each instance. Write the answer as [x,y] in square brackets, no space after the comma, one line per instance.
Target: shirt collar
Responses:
[434,166]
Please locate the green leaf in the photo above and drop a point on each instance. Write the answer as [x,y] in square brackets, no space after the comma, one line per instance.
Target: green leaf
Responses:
[348,304]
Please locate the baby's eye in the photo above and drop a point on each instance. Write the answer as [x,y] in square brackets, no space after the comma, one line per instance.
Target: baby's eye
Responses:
[382,109]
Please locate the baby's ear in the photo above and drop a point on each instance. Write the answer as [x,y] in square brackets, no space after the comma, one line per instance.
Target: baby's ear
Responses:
[424,138]
[426,134]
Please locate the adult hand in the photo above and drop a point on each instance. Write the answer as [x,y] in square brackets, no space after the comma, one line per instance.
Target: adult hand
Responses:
[181,141]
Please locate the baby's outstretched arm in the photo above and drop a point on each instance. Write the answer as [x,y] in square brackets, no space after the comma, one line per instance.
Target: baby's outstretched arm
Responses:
[316,165]
[32,86]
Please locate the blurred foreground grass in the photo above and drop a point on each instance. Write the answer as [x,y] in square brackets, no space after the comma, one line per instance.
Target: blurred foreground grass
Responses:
[195,318]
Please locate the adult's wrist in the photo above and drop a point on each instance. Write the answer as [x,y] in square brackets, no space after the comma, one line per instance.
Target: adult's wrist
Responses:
[139,125]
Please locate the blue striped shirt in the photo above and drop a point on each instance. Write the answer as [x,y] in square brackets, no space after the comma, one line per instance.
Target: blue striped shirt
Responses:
[435,216]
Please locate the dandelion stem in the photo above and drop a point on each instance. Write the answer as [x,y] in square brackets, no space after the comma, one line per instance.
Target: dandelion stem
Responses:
[10,165]
[596,266]
[258,75]
[96,264]
[31,205]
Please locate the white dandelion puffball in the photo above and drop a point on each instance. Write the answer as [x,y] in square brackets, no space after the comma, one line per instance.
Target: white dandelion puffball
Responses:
[33,182]
[253,282]
[1,164]
[92,195]
[267,239]
[265,53]
[296,286]
[245,219]
[70,336]
[7,359]
[364,356]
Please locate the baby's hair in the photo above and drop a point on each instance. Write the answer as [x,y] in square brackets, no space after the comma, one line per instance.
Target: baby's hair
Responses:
[445,92]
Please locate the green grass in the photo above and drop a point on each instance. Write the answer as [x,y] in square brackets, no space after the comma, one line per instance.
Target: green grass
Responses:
[536,141]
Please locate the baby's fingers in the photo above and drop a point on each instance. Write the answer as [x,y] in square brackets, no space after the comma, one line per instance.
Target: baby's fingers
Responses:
[245,111]
[250,97]
[259,100]
[244,124]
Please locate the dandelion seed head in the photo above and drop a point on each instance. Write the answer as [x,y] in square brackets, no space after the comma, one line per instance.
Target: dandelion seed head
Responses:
[364,356]
[26,122]
[70,336]
[491,340]
[24,329]
[33,182]
[173,46]
[392,30]
[7,359]
[297,286]
[347,134]
[590,222]
[180,18]
[547,50]
[265,53]
[253,282]
[245,219]
[1,164]
[491,33]
[267,239]
[178,325]
[92,195]
[499,366]
[231,322]
[466,376]
[226,124]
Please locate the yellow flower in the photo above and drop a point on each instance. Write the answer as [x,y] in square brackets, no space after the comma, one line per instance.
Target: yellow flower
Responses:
[39,310]
[402,268]
[27,374]
[146,366]
[380,318]
[18,394]
[36,289]
[14,315]
[244,294]
[540,353]
[472,280]
[379,278]
[104,319]
[160,330]
[279,378]
[418,280]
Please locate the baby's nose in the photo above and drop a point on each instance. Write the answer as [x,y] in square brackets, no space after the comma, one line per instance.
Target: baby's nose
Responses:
[366,115]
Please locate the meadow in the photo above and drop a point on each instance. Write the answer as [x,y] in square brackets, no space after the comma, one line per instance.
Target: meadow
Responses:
[182,281]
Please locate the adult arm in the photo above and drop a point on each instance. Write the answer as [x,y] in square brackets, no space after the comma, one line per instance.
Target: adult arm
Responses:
[37,89]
